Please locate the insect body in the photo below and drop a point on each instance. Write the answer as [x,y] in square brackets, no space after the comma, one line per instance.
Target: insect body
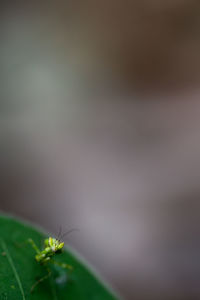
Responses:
[52,247]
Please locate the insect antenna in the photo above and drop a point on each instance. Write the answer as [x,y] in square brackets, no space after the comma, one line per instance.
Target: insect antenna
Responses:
[59,233]
[68,232]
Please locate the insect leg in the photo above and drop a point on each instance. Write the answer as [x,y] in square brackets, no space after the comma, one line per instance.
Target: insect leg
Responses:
[41,280]
[62,265]
[32,243]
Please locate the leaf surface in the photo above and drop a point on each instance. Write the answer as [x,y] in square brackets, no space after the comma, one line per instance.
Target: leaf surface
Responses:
[19,270]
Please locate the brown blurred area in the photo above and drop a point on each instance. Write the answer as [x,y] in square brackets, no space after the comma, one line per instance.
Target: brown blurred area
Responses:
[147,43]
[100,131]
[144,44]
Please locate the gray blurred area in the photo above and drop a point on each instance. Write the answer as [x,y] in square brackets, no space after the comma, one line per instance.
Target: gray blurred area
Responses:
[100,131]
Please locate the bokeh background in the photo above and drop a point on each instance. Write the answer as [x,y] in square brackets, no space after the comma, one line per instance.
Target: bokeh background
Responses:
[100,128]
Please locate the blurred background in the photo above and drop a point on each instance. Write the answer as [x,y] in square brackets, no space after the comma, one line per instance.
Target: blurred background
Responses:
[100,128]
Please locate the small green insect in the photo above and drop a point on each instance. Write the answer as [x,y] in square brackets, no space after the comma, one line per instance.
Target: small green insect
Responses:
[52,247]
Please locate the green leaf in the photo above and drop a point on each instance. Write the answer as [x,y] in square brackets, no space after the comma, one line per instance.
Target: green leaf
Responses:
[19,269]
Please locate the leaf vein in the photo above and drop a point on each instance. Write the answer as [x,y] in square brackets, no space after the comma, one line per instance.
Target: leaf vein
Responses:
[3,244]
